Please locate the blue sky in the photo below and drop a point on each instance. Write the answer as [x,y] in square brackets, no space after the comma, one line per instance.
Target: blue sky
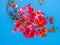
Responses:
[50,8]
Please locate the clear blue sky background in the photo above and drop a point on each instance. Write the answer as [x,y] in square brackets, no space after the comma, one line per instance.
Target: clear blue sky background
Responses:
[50,8]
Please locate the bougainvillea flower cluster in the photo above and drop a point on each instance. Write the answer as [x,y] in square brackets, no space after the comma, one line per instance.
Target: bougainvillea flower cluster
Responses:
[29,20]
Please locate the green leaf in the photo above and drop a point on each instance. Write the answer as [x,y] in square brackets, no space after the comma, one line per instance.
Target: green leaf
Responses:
[12,2]
[15,10]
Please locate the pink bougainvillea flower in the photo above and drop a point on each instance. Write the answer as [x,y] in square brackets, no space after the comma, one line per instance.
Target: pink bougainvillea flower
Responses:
[22,29]
[40,13]
[21,11]
[41,22]
[35,15]
[31,16]
[29,34]
[51,20]
[23,18]
[14,5]
[29,27]
[43,35]
[16,29]
[18,23]
[37,32]
[29,8]
[29,23]
[43,32]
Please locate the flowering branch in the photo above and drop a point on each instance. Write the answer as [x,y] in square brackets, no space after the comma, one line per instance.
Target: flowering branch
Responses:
[27,23]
